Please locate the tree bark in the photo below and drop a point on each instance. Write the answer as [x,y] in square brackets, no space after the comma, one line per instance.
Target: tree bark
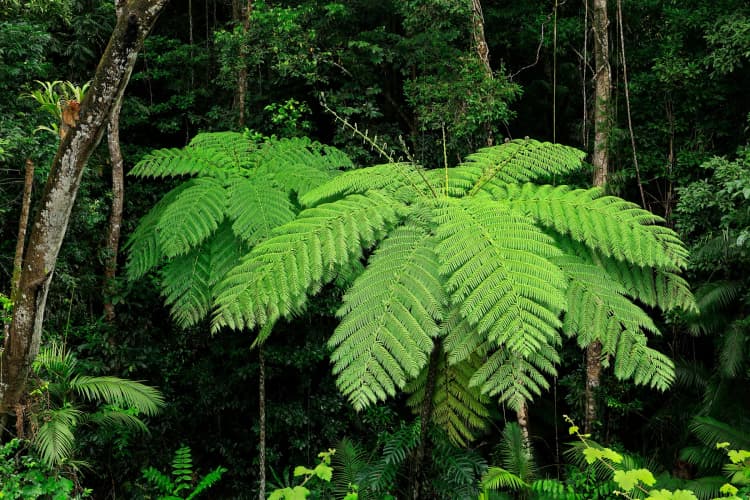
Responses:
[243,15]
[262,424]
[483,52]
[115,216]
[136,19]
[522,415]
[600,160]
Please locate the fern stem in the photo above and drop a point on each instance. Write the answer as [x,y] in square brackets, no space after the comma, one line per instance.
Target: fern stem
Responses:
[355,130]
[425,418]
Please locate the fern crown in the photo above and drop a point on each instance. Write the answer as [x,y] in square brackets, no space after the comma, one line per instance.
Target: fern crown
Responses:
[476,264]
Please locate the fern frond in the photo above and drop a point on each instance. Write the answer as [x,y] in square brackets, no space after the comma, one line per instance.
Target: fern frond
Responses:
[119,392]
[523,160]
[388,178]
[300,165]
[460,340]
[144,247]
[256,208]
[718,295]
[457,470]
[389,317]
[499,274]
[54,440]
[733,350]
[608,224]
[188,280]
[457,408]
[206,482]
[711,431]
[274,279]
[237,147]
[646,366]
[705,488]
[515,378]
[193,215]
[460,179]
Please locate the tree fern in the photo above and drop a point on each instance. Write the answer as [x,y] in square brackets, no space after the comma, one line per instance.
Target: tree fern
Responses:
[249,185]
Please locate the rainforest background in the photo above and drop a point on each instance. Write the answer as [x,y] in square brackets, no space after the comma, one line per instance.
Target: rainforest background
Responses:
[428,81]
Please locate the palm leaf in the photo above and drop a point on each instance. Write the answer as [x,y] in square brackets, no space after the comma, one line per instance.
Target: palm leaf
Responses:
[388,318]
[497,478]
[119,392]
[54,440]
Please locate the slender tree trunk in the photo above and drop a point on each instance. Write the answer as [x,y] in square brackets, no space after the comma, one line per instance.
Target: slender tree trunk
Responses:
[242,14]
[23,223]
[115,216]
[262,423]
[483,51]
[600,160]
[522,415]
[136,19]
[425,417]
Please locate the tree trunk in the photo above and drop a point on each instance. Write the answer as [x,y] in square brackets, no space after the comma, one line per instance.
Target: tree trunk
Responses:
[243,15]
[425,416]
[483,51]
[600,160]
[135,20]
[115,216]
[262,424]
[522,415]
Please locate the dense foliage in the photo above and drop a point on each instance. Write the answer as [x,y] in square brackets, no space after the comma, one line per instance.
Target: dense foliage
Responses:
[373,235]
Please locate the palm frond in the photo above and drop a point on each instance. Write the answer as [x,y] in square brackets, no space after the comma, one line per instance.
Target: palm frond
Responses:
[349,462]
[497,478]
[610,225]
[711,431]
[733,349]
[120,392]
[499,274]
[389,317]
[54,440]
[523,160]
[115,417]
[514,454]
[274,279]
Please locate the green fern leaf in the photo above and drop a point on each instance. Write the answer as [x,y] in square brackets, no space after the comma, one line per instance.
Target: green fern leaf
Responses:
[188,280]
[387,178]
[523,160]
[256,209]
[192,217]
[144,247]
[608,224]
[274,279]
[499,274]
[646,366]
[459,409]
[388,318]
[516,379]
[238,149]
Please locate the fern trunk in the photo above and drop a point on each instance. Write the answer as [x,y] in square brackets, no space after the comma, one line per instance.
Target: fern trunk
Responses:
[483,51]
[51,222]
[425,416]
[262,424]
[243,15]
[600,160]
[115,216]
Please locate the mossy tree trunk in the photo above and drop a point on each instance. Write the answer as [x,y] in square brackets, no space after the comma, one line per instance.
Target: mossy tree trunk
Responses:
[134,21]
[600,160]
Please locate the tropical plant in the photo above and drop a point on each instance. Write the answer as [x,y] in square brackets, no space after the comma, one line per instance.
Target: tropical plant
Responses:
[242,187]
[181,483]
[65,399]
[475,262]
